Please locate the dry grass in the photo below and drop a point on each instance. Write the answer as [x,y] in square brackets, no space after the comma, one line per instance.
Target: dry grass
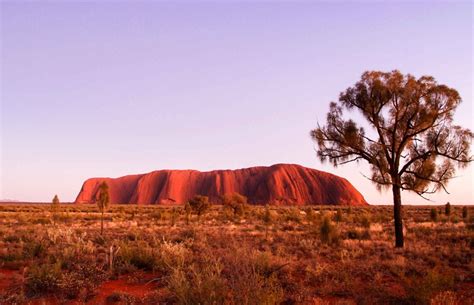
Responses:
[318,255]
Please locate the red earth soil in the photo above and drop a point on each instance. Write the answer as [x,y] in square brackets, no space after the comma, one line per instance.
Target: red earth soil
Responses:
[277,184]
[11,281]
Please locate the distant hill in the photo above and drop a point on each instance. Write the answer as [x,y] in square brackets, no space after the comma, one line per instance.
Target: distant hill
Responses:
[8,200]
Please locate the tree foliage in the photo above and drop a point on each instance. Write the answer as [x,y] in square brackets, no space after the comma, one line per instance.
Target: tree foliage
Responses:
[416,145]
[236,202]
[55,203]
[103,201]
[199,204]
[412,143]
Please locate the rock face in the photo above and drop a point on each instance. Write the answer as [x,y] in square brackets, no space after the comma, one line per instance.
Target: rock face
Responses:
[277,184]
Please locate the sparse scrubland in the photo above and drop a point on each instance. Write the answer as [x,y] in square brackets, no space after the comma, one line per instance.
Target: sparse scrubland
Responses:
[234,254]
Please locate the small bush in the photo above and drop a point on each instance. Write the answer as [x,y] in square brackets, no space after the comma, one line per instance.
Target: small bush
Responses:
[447,209]
[358,235]
[198,285]
[292,215]
[42,279]
[137,256]
[199,204]
[420,291]
[434,215]
[465,213]
[365,221]
[235,202]
[157,215]
[328,232]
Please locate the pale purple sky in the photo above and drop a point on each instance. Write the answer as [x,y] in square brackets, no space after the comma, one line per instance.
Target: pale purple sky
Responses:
[114,88]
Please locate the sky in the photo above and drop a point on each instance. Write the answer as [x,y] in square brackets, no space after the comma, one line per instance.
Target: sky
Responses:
[107,88]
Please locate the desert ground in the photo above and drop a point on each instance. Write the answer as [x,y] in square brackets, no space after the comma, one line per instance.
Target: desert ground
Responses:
[250,255]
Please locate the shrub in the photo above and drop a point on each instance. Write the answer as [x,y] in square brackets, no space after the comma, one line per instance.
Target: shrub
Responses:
[465,213]
[293,214]
[267,220]
[420,291]
[359,235]
[244,276]
[447,209]
[236,202]
[55,208]
[136,256]
[174,216]
[34,249]
[199,204]
[187,211]
[172,256]
[157,215]
[328,232]
[434,215]
[103,201]
[81,281]
[310,215]
[42,279]
[198,285]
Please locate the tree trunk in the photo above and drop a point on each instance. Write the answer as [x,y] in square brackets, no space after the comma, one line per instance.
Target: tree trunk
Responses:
[397,216]
[102,224]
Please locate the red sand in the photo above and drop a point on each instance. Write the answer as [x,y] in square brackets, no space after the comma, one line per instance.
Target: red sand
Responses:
[11,280]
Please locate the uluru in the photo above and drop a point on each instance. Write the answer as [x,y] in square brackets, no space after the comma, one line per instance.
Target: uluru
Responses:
[278,184]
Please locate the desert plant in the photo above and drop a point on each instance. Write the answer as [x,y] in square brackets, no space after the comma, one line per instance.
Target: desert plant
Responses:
[465,213]
[423,289]
[42,279]
[187,211]
[199,204]
[447,209]
[434,215]
[55,208]
[195,285]
[135,255]
[55,204]
[267,219]
[310,215]
[328,232]
[338,216]
[174,216]
[103,203]
[236,202]
[365,220]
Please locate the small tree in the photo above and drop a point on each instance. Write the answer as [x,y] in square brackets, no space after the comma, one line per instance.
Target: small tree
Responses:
[199,204]
[55,205]
[464,212]
[187,210]
[434,215]
[329,234]
[447,209]
[174,216]
[413,144]
[267,219]
[103,201]
[236,202]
